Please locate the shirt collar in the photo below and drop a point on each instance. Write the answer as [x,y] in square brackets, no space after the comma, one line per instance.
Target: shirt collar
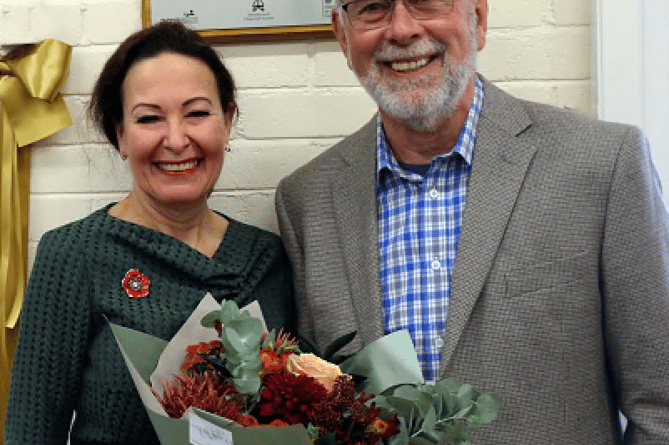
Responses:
[385,158]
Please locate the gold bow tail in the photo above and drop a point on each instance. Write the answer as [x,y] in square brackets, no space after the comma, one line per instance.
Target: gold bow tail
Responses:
[31,108]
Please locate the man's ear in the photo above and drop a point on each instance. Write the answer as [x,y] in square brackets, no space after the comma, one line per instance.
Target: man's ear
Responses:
[339,31]
[481,11]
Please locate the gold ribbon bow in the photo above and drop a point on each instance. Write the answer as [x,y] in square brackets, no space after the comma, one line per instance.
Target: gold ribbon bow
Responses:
[31,108]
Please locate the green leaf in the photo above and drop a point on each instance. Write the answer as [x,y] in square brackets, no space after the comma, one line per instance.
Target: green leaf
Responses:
[232,343]
[407,391]
[248,331]
[464,412]
[247,385]
[307,346]
[451,385]
[466,396]
[337,345]
[429,422]
[229,311]
[270,338]
[484,411]
[403,407]
[489,406]
[208,321]
[455,434]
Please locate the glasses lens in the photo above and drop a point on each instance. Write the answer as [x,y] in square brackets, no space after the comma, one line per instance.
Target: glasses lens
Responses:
[367,14]
[427,9]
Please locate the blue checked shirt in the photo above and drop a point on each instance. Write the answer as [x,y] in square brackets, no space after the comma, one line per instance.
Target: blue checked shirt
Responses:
[420,219]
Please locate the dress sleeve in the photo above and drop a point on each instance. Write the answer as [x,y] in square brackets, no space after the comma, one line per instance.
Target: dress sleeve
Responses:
[635,285]
[54,328]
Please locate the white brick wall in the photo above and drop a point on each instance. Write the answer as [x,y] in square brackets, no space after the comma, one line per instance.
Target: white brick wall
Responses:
[296,98]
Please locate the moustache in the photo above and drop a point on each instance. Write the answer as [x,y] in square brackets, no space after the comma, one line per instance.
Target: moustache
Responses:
[424,47]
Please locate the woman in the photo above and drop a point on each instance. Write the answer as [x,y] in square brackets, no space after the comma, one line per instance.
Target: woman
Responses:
[166,102]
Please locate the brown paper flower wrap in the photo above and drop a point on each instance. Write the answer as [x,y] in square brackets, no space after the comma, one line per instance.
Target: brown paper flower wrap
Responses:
[390,400]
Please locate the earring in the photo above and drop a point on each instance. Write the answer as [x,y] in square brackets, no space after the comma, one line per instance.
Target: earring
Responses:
[227,148]
[124,157]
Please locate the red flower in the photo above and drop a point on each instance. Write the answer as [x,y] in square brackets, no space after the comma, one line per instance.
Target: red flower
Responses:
[195,361]
[135,284]
[247,420]
[385,428]
[203,391]
[272,363]
[289,397]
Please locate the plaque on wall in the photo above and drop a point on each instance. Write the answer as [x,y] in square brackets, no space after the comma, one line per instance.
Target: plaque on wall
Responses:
[245,20]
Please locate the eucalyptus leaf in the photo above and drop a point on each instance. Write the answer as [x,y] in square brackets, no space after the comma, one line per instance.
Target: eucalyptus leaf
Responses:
[249,331]
[229,311]
[451,385]
[489,406]
[247,386]
[464,412]
[232,343]
[446,399]
[401,406]
[455,434]
[466,396]
[406,391]
[208,321]
[427,401]
[484,411]
[429,422]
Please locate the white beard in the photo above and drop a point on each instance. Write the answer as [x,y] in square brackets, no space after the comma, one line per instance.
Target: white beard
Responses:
[423,103]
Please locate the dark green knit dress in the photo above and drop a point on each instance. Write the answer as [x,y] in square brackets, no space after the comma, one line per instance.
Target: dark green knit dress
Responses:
[67,359]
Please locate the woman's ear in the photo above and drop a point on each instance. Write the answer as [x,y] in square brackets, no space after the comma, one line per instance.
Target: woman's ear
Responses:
[230,114]
[119,137]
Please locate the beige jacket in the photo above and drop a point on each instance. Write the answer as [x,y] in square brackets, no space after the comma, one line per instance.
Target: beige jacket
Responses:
[560,292]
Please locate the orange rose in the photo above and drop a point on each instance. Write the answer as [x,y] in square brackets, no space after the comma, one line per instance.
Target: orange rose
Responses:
[313,366]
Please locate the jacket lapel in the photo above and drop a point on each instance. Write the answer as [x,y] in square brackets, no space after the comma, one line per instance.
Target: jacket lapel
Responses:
[355,206]
[500,163]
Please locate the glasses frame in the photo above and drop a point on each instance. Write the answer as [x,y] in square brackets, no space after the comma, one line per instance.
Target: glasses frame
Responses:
[385,21]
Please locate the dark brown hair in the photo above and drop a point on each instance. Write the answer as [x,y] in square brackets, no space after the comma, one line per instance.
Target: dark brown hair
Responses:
[106,105]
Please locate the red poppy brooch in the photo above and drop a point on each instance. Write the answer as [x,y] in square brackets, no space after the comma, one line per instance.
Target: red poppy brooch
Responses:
[135,284]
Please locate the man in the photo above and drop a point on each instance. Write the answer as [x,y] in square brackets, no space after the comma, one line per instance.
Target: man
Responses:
[558,297]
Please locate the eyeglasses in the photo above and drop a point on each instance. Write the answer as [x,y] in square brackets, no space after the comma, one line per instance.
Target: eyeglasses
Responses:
[370,14]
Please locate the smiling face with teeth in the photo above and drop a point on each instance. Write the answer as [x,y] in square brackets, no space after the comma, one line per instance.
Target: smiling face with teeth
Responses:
[173,130]
[418,71]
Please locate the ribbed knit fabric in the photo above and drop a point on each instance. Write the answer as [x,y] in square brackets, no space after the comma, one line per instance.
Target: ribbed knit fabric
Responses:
[67,359]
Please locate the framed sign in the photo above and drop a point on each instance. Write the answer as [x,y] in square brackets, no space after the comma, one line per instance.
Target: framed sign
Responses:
[245,20]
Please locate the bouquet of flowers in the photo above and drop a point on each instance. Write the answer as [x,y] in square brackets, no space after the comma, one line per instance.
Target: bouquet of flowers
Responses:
[224,379]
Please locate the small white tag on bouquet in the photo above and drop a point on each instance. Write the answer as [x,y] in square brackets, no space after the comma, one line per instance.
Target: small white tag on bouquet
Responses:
[192,332]
[201,432]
